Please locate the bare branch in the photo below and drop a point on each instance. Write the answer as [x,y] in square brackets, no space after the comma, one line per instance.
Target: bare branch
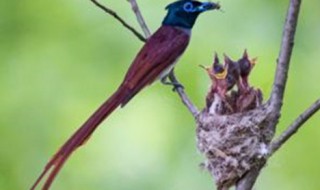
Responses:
[276,99]
[117,17]
[294,127]
[140,18]
[250,178]
[184,98]
[285,55]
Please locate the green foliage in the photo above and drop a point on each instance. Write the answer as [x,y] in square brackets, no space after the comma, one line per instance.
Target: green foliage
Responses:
[60,59]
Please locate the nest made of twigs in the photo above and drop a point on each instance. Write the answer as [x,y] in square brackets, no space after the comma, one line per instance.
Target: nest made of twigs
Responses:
[232,143]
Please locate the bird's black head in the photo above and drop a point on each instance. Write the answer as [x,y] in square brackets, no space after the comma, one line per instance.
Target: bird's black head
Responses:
[183,13]
[246,64]
[219,71]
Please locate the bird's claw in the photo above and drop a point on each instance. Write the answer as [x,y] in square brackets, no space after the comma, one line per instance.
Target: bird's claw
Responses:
[173,82]
[176,86]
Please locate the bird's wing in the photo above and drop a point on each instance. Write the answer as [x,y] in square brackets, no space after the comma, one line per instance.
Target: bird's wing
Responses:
[160,51]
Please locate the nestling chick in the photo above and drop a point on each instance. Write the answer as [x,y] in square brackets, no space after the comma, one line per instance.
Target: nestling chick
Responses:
[245,65]
[222,82]
[233,72]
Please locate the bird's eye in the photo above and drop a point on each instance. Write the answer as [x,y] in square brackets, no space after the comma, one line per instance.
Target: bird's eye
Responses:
[188,7]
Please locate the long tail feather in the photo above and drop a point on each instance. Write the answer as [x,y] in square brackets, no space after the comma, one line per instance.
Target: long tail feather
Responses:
[80,137]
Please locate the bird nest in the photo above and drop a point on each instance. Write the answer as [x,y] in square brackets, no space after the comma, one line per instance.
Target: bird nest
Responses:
[232,131]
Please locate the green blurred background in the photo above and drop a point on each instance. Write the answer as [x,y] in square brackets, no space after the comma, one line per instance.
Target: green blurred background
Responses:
[59,60]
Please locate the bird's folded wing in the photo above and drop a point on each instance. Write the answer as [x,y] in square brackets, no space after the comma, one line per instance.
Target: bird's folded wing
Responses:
[160,51]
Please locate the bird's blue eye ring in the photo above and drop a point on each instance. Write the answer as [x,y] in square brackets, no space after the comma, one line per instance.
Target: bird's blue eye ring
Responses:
[188,7]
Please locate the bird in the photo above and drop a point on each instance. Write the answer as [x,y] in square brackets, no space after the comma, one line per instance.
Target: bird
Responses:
[234,71]
[154,61]
[223,80]
[245,65]
[217,73]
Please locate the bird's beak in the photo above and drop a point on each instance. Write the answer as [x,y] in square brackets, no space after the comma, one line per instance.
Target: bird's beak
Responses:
[221,75]
[206,6]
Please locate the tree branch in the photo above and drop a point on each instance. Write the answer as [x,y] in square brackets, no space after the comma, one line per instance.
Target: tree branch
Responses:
[250,178]
[140,18]
[183,96]
[276,98]
[287,44]
[117,17]
[294,127]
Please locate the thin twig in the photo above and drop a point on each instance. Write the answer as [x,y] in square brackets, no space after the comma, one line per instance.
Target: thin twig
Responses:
[117,17]
[184,98]
[140,18]
[276,99]
[287,44]
[250,178]
[294,127]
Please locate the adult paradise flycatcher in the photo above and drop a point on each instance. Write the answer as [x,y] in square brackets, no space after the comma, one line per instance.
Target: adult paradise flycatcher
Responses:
[154,61]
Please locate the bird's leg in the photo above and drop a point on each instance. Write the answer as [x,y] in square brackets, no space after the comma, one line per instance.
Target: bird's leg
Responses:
[164,80]
[173,81]
[176,84]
